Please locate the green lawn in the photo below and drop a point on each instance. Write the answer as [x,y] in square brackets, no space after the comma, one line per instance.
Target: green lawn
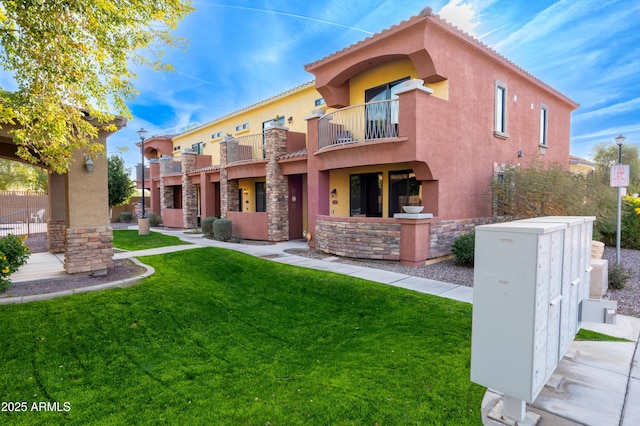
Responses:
[130,240]
[219,337]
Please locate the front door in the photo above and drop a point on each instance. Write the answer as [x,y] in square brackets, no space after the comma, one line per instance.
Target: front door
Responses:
[295,207]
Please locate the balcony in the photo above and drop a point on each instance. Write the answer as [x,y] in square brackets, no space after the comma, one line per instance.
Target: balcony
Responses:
[247,148]
[358,123]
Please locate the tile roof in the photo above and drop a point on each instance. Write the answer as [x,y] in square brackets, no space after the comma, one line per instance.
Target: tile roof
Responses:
[296,154]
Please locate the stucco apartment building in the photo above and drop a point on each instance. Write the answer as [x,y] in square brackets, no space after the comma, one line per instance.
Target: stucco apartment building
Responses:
[418,114]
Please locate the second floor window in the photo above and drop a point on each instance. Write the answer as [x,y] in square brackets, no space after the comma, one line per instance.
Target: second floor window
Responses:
[501,110]
[544,125]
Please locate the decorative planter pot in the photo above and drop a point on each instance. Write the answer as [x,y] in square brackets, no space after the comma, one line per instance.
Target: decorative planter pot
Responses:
[413,209]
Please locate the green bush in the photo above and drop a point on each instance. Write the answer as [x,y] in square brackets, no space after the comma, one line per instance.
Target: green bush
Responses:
[222,229]
[154,219]
[13,254]
[619,276]
[463,249]
[126,217]
[207,225]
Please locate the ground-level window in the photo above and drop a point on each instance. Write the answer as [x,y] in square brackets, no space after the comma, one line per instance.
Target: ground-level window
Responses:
[404,190]
[261,196]
[366,195]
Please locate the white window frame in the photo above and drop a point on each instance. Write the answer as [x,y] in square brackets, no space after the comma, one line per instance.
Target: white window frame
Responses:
[544,125]
[501,92]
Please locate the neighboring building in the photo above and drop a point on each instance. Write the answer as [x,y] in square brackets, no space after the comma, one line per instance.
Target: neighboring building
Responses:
[582,166]
[419,114]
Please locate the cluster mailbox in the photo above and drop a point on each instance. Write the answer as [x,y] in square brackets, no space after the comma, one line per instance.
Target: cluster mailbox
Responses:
[530,278]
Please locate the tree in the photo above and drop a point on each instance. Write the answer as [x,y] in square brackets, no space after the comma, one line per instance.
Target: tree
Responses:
[71,61]
[606,155]
[19,176]
[121,187]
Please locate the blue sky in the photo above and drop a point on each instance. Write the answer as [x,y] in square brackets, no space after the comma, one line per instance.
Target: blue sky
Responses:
[243,51]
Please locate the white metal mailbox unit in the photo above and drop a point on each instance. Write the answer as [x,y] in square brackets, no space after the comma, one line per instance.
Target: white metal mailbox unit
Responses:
[530,279]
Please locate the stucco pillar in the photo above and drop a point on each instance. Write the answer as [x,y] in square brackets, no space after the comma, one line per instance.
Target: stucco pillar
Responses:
[414,240]
[189,191]
[57,222]
[277,183]
[89,238]
[317,180]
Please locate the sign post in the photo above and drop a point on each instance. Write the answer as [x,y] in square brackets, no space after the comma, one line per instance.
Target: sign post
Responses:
[619,178]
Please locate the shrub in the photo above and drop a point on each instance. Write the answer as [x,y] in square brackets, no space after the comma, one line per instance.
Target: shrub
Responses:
[13,254]
[463,249]
[207,225]
[154,219]
[126,217]
[222,229]
[619,276]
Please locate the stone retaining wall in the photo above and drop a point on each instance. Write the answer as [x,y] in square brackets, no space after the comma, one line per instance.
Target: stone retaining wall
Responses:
[359,238]
[445,232]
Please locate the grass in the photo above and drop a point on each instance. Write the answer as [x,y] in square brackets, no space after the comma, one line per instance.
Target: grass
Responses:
[219,337]
[598,337]
[130,240]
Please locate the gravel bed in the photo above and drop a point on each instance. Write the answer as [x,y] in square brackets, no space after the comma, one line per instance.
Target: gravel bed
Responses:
[628,298]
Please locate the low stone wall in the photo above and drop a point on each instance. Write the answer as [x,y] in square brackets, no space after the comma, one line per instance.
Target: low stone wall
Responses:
[88,249]
[445,232]
[372,238]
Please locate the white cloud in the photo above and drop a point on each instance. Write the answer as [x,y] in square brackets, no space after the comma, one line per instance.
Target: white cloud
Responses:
[618,108]
[463,14]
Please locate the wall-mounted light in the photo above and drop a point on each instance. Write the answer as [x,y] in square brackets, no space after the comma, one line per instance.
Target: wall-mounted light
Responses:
[290,119]
[519,154]
[245,191]
[88,163]
[334,192]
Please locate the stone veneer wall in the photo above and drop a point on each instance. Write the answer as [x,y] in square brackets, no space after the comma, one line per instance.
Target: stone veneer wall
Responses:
[444,233]
[88,249]
[56,235]
[166,192]
[359,239]
[277,184]
[189,192]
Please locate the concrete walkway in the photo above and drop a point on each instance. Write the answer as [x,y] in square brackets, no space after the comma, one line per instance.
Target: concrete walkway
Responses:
[596,383]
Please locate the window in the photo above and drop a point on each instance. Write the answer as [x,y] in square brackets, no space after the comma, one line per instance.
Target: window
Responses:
[404,190]
[319,102]
[500,129]
[216,135]
[366,195]
[198,147]
[544,127]
[261,197]
[241,127]
[382,118]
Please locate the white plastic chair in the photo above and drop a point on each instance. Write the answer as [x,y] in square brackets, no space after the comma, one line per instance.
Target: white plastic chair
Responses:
[37,216]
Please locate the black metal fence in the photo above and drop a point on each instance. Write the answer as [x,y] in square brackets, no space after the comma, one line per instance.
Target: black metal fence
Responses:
[23,212]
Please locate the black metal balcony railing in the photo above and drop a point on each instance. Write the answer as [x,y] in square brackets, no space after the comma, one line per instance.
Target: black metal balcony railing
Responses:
[249,148]
[370,121]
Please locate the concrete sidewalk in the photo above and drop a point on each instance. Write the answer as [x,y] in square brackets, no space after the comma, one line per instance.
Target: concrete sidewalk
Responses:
[596,383]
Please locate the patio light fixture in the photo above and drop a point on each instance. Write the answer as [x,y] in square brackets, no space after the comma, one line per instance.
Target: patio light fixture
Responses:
[88,163]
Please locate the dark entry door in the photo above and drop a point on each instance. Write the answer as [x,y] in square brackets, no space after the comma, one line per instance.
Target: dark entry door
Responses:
[295,207]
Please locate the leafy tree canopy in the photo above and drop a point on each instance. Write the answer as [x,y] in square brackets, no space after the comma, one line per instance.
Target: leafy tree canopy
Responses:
[606,155]
[121,187]
[19,176]
[71,62]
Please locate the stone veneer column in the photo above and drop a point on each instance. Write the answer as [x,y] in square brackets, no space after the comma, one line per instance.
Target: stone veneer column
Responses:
[277,184]
[189,191]
[166,192]
[89,249]
[229,198]
[56,230]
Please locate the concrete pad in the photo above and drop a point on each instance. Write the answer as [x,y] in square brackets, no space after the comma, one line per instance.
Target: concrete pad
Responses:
[593,385]
[40,266]
[424,285]
[379,275]
[461,293]
[632,407]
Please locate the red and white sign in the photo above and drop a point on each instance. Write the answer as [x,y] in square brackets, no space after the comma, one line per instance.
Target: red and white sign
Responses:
[619,175]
